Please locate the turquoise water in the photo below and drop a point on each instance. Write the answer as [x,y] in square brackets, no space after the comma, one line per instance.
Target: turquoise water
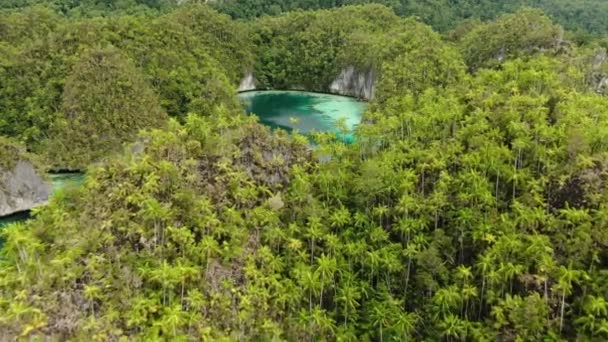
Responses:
[60,181]
[66,180]
[304,111]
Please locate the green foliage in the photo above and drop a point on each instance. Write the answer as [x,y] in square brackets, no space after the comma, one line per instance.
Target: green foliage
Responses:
[472,205]
[105,102]
[309,49]
[11,153]
[443,15]
[168,53]
[91,8]
[415,59]
[523,33]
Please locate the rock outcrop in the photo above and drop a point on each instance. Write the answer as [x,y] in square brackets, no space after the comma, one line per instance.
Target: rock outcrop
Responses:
[598,77]
[247,83]
[22,188]
[352,82]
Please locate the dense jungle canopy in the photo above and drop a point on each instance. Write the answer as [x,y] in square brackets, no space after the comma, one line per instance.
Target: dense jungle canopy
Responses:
[472,206]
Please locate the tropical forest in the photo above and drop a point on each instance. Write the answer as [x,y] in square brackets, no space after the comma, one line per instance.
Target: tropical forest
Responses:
[303,170]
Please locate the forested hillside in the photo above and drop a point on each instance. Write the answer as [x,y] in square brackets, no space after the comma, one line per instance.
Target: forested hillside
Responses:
[588,15]
[144,68]
[442,15]
[92,8]
[471,206]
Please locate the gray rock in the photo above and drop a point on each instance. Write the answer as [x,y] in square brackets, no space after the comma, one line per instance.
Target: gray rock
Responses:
[350,82]
[247,83]
[22,188]
[353,82]
[598,77]
[599,59]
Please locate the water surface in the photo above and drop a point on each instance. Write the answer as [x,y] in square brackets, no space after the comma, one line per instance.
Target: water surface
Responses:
[304,111]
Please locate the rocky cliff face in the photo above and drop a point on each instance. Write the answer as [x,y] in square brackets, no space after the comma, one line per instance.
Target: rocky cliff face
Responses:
[247,83]
[598,77]
[350,82]
[22,188]
[353,82]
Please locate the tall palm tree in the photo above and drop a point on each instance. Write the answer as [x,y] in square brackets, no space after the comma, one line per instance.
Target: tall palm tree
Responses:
[349,295]
[327,267]
[452,327]
[566,278]
[405,325]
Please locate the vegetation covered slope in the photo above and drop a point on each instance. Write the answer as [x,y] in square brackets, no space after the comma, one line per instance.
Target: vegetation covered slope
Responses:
[309,49]
[442,15]
[471,207]
[105,101]
[585,15]
[190,59]
[91,8]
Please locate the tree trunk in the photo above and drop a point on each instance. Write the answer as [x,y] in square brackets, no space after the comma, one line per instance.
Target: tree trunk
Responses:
[483,286]
[561,313]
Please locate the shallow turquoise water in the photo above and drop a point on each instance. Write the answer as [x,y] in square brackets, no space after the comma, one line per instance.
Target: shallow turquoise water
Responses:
[303,111]
[66,180]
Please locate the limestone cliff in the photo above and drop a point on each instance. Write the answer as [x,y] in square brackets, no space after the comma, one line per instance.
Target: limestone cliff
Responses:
[247,83]
[353,82]
[350,82]
[22,186]
[597,78]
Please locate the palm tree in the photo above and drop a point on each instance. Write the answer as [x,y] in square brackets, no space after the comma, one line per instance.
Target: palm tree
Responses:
[171,320]
[406,325]
[464,274]
[92,293]
[408,227]
[566,277]
[485,264]
[340,218]
[509,271]
[314,231]
[322,322]
[410,251]
[183,273]
[452,327]
[348,294]
[380,317]
[310,282]
[157,213]
[468,292]
[381,212]
[446,299]
[166,276]
[596,311]
[210,247]
[597,306]
[373,260]
[325,270]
